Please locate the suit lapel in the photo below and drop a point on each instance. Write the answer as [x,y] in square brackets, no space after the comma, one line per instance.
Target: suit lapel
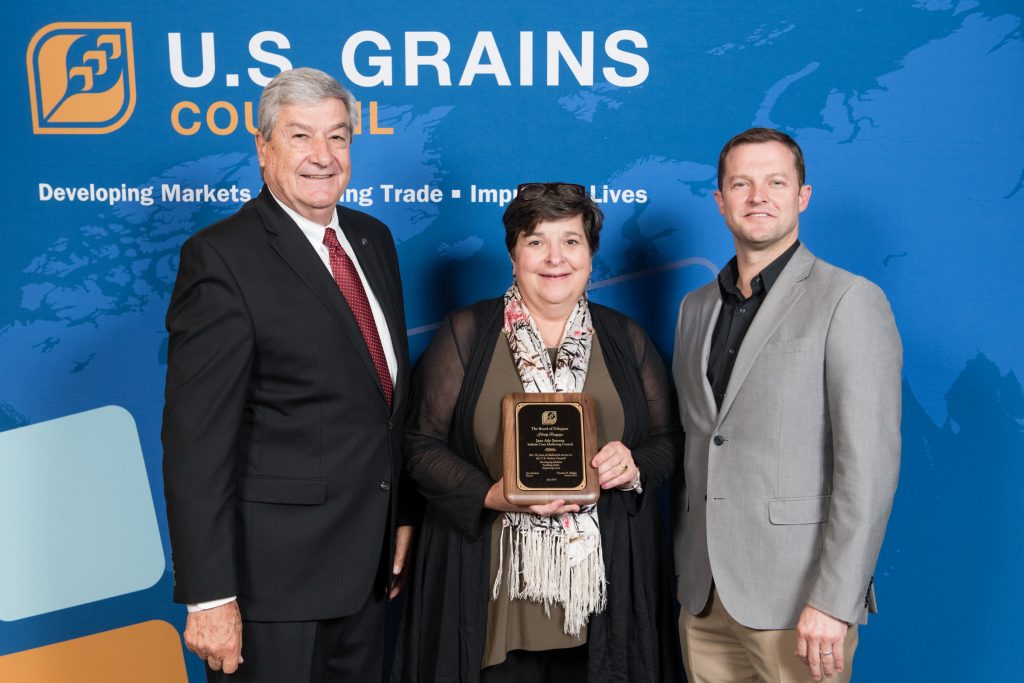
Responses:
[292,246]
[783,295]
[711,307]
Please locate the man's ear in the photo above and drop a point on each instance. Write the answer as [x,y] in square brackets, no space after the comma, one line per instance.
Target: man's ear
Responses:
[261,145]
[805,197]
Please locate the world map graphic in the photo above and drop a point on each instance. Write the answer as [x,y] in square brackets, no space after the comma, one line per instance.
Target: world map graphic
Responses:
[910,118]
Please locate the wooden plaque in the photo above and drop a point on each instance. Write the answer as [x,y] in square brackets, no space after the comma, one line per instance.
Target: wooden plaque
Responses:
[549,443]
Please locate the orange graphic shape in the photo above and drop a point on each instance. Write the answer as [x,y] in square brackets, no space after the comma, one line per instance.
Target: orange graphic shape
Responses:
[150,651]
[47,75]
[53,80]
[90,107]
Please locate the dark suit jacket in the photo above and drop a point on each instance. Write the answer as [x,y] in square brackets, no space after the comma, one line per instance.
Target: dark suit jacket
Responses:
[281,456]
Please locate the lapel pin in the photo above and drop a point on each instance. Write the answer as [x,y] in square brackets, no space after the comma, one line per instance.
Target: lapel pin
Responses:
[364,241]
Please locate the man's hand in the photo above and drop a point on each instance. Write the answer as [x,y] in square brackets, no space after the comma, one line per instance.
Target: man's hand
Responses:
[216,636]
[399,570]
[819,642]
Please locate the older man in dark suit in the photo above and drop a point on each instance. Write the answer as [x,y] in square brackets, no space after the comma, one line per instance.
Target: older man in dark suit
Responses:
[285,399]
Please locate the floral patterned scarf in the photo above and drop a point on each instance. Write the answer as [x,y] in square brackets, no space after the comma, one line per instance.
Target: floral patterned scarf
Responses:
[555,559]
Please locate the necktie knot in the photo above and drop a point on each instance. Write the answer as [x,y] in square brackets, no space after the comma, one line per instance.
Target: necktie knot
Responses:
[330,239]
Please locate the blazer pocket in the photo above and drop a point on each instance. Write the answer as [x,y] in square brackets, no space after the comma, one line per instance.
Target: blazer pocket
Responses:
[797,345]
[813,510]
[282,490]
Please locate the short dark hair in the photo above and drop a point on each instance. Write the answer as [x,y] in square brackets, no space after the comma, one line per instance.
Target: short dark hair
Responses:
[536,202]
[758,135]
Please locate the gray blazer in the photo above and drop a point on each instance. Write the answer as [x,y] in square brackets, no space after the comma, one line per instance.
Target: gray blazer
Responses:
[788,487]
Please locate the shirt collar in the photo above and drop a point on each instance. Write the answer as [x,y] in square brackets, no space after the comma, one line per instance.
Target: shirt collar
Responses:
[763,281]
[313,231]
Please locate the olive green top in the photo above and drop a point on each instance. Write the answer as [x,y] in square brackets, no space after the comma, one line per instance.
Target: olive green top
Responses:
[522,624]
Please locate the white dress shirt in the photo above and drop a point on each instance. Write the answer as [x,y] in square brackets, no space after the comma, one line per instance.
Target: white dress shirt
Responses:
[314,232]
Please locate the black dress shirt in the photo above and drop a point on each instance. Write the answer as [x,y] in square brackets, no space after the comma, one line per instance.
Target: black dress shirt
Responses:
[736,316]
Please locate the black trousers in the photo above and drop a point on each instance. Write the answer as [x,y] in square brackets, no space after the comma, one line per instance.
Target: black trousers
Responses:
[343,650]
[546,666]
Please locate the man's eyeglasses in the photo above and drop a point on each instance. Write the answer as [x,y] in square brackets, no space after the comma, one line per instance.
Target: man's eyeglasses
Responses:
[535,190]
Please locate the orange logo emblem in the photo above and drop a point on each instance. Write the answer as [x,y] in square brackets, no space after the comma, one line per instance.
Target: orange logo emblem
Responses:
[81,77]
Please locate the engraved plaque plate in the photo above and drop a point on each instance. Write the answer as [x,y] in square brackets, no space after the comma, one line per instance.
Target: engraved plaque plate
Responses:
[549,442]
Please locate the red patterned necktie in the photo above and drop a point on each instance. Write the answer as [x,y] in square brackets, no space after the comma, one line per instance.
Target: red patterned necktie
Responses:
[352,289]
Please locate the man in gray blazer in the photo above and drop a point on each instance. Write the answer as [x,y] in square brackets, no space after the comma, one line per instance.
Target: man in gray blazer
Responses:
[788,374]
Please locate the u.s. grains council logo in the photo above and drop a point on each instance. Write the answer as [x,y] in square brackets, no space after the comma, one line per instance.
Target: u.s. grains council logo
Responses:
[81,77]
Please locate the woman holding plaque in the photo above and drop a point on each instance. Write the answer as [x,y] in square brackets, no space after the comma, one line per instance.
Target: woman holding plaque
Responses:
[552,591]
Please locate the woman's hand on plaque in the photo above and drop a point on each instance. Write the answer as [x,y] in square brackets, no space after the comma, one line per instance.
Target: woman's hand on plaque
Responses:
[615,466]
[495,500]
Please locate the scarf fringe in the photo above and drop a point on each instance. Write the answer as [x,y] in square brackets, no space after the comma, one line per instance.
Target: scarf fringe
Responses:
[541,570]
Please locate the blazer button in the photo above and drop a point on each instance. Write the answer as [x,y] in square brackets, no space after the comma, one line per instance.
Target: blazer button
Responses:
[385,486]
[718,440]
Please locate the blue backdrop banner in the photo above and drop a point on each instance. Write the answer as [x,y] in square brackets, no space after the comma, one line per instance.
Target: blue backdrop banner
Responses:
[131,127]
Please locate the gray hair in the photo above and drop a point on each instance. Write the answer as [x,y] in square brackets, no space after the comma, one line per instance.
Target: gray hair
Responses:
[301,86]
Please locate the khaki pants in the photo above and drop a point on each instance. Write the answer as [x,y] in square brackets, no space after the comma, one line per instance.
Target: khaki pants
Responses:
[718,649]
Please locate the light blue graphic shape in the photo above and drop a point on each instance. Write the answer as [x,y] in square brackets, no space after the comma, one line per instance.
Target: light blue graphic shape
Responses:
[77,522]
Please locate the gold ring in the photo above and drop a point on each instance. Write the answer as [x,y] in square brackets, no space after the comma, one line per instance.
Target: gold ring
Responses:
[625,466]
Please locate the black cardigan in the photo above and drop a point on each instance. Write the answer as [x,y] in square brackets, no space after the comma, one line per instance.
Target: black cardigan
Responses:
[442,635]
